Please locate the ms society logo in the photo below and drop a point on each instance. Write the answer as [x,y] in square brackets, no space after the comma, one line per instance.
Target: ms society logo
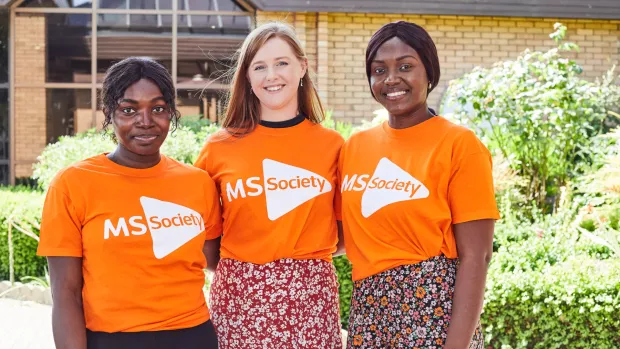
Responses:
[387,185]
[286,187]
[171,225]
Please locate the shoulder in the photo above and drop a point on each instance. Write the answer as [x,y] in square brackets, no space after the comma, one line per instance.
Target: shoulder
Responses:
[463,141]
[364,135]
[179,169]
[327,134]
[74,173]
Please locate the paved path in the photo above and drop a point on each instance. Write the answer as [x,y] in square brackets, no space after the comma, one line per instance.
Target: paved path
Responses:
[25,325]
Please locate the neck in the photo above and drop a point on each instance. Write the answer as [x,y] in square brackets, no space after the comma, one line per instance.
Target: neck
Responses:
[282,114]
[125,157]
[416,117]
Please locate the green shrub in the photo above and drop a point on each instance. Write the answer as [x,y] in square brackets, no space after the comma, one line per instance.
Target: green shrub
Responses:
[194,122]
[69,150]
[25,206]
[183,144]
[345,289]
[575,304]
[539,113]
[344,128]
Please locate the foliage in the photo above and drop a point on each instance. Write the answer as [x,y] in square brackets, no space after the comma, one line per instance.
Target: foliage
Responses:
[69,150]
[182,144]
[26,206]
[345,288]
[537,112]
[344,128]
[573,304]
[194,122]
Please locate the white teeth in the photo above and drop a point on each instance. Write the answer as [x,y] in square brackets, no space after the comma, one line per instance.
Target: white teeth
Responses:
[274,88]
[395,94]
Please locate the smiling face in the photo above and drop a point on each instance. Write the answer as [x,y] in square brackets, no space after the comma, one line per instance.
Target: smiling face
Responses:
[398,79]
[274,74]
[142,118]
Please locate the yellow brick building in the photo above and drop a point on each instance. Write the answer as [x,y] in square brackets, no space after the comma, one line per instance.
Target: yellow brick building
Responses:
[56,51]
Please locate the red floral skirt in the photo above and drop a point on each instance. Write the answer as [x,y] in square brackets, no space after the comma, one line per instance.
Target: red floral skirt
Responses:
[283,304]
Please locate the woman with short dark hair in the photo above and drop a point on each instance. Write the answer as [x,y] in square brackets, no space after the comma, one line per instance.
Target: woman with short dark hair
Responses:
[418,208]
[124,232]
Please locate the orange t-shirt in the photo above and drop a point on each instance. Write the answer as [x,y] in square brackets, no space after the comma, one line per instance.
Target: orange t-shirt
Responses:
[403,189]
[277,187]
[140,234]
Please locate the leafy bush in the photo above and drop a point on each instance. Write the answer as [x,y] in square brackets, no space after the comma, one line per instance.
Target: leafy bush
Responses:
[538,113]
[25,206]
[345,289]
[182,144]
[194,122]
[574,304]
[344,128]
[69,150]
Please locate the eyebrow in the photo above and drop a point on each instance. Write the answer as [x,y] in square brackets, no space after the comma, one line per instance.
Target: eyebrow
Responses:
[397,58]
[277,58]
[133,101]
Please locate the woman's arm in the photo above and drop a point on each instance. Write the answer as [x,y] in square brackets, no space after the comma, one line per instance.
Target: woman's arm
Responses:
[340,247]
[67,311]
[211,250]
[474,241]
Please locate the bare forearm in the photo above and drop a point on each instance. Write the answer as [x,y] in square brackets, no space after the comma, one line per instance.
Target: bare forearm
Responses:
[340,250]
[211,250]
[68,323]
[467,302]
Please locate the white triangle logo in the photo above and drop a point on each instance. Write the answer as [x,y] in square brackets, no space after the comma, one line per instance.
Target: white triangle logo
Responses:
[171,225]
[390,184]
[287,187]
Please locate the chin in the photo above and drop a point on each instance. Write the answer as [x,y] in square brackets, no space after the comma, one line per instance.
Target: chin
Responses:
[152,149]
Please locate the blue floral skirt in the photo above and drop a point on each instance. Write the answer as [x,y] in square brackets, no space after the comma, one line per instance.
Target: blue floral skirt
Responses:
[406,307]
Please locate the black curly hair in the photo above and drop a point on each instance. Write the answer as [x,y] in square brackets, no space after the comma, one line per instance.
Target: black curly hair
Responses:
[130,70]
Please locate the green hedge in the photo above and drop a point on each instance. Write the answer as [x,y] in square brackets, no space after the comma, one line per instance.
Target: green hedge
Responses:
[182,144]
[574,304]
[343,270]
[26,206]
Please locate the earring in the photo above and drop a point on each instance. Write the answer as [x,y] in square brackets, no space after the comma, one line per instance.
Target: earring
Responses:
[251,91]
[301,82]
[430,85]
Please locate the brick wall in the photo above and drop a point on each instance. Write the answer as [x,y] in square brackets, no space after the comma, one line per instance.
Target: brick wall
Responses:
[29,103]
[462,42]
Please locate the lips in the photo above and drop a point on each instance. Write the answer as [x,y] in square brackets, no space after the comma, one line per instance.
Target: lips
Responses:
[395,94]
[146,137]
[274,88]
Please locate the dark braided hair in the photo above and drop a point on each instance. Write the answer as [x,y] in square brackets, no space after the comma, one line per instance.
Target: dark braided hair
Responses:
[129,71]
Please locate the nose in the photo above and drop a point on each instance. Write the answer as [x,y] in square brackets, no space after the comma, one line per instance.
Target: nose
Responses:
[392,79]
[271,74]
[145,118]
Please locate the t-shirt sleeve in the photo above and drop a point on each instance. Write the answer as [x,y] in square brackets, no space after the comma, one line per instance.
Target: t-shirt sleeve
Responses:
[201,161]
[338,192]
[213,216]
[338,201]
[61,228]
[471,193]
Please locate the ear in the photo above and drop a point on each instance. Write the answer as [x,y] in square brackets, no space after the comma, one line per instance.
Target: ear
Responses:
[304,67]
